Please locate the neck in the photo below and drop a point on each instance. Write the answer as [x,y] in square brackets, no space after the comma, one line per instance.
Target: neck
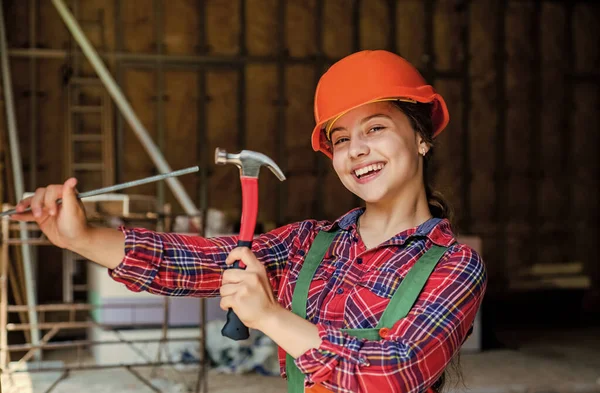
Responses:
[389,219]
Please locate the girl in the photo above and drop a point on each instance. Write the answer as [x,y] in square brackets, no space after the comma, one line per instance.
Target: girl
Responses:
[380,300]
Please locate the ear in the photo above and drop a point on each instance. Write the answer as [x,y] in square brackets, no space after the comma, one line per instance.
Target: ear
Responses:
[423,146]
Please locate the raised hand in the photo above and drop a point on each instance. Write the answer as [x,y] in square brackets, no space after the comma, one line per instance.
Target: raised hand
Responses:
[63,224]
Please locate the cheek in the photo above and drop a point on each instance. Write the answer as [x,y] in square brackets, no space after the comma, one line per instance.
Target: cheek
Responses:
[338,165]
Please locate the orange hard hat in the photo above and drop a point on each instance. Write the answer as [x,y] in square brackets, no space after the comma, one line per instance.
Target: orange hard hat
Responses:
[370,76]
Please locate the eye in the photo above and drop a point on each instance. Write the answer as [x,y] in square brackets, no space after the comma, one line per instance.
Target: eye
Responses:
[340,140]
[376,128]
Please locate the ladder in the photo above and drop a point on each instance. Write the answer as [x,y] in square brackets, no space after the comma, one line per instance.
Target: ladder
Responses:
[89,150]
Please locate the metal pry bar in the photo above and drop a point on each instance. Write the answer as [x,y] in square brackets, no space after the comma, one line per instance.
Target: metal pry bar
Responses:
[117,187]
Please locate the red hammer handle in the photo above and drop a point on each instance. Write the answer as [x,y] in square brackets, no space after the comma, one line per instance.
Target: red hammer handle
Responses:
[234,327]
[249,208]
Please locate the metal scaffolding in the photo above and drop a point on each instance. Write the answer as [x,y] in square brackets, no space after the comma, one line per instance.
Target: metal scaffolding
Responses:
[19,183]
[9,278]
[30,237]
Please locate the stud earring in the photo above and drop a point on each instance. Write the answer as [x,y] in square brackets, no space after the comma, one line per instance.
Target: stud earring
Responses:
[423,152]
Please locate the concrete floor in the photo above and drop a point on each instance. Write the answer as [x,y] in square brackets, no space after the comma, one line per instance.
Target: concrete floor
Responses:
[566,361]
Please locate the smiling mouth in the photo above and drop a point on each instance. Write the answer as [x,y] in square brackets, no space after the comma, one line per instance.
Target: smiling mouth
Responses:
[368,170]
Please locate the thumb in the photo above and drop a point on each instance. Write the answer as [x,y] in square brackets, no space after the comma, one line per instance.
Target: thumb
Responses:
[249,259]
[69,196]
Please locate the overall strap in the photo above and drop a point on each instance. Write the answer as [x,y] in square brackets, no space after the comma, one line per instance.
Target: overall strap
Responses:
[300,297]
[411,286]
[309,267]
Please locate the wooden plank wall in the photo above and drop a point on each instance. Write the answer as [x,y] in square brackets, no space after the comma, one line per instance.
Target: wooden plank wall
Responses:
[520,77]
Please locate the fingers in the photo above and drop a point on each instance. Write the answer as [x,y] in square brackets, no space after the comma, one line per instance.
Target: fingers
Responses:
[237,276]
[20,208]
[23,204]
[240,282]
[44,200]
[53,192]
[245,255]
[227,290]
[37,202]
[22,217]
[69,195]
[226,303]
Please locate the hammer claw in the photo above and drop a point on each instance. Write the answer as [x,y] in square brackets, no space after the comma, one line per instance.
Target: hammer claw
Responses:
[249,162]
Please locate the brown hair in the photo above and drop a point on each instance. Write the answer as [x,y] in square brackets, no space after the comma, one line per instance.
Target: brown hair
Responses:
[419,115]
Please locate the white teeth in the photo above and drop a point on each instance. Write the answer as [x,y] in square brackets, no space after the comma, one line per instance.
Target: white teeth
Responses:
[369,168]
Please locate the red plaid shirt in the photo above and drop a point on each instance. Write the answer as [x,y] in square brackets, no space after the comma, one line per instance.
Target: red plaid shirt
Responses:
[350,289]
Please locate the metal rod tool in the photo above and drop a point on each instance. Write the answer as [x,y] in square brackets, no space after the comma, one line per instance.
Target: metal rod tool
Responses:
[117,187]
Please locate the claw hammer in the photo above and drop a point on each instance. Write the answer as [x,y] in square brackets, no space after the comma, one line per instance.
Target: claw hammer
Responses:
[249,162]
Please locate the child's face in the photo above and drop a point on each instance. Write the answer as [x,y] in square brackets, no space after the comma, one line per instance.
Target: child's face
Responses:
[376,153]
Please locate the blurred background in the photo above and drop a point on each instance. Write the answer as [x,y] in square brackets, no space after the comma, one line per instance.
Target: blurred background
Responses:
[519,161]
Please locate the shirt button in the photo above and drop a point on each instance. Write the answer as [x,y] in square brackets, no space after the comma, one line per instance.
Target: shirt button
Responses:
[383,332]
[359,261]
[301,253]
[355,239]
[340,291]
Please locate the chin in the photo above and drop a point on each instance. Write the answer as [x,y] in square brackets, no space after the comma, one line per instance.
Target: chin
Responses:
[370,197]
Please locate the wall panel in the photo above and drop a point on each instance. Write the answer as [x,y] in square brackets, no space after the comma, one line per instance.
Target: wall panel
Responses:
[222,26]
[221,131]
[181,129]
[261,23]
[337,28]
[374,24]
[140,87]
[181,26]
[261,131]
[410,30]
[300,27]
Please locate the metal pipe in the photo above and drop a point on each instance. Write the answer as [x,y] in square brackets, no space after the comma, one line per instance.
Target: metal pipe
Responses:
[84,307]
[32,352]
[4,292]
[91,343]
[15,152]
[125,107]
[117,187]
[13,327]
[94,367]
[141,378]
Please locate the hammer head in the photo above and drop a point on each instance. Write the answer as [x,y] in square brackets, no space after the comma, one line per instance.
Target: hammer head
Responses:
[249,162]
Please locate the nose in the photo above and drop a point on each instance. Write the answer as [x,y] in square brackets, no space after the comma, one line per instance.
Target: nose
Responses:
[358,146]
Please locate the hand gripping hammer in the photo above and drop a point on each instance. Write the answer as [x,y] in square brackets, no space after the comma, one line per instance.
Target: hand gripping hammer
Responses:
[249,163]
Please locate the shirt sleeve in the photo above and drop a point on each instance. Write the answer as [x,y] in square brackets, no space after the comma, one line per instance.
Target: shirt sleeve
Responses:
[182,265]
[418,347]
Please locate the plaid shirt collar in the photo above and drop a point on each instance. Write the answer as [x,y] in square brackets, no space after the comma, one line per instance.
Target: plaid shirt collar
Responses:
[438,230]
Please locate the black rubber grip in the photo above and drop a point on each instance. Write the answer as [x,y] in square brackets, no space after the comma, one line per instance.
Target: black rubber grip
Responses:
[245,243]
[234,328]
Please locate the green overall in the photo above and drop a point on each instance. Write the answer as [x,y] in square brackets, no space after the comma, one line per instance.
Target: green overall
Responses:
[399,306]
